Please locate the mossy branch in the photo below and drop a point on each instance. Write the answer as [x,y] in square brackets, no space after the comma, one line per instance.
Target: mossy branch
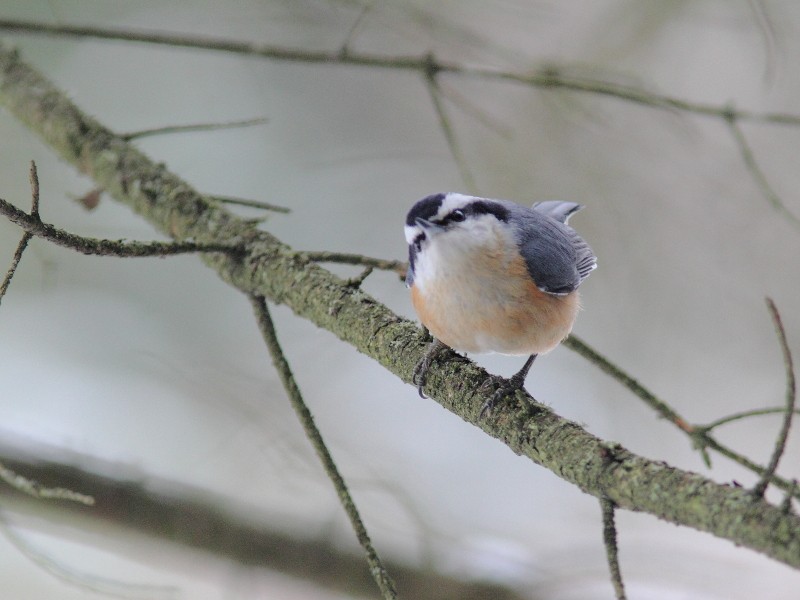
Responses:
[273,270]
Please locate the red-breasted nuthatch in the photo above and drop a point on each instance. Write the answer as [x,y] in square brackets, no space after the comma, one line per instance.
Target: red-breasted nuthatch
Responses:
[493,276]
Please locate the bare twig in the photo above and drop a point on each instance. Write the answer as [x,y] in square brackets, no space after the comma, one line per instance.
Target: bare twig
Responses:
[345,48]
[398,266]
[26,237]
[757,173]
[355,282]
[252,204]
[548,77]
[780,442]
[34,226]
[267,329]
[610,542]
[134,135]
[23,243]
[746,414]
[444,122]
[700,435]
[34,179]
[767,29]
[91,199]
[593,356]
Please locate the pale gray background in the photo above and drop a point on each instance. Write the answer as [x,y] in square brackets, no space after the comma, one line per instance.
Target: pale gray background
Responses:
[157,364]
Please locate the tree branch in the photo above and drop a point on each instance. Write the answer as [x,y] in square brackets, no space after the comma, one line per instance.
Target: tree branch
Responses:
[177,513]
[398,266]
[612,552]
[272,269]
[170,129]
[267,328]
[547,78]
[780,443]
[35,227]
[26,237]
[699,434]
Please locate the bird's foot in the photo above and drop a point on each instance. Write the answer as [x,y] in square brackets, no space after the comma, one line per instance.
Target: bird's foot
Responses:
[506,387]
[420,375]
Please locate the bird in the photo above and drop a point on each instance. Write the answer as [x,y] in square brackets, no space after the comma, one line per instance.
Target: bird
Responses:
[492,275]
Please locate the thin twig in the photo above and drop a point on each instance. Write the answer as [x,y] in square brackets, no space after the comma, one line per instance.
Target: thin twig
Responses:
[610,542]
[133,135]
[545,78]
[26,237]
[746,414]
[345,48]
[757,173]
[780,442]
[576,344]
[700,436]
[703,440]
[267,329]
[252,203]
[398,266]
[355,282]
[33,175]
[767,29]
[447,129]
[23,243]
[34,226]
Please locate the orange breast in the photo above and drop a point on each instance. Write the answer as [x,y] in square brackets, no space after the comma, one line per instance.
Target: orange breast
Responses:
[497,309]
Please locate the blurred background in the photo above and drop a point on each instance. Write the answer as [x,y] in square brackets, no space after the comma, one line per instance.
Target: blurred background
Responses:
[153,372]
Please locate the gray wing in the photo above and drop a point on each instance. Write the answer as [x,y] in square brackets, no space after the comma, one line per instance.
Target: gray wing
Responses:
[557,258]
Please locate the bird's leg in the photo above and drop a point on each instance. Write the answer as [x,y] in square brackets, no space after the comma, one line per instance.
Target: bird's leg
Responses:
[509,386]
[421,370]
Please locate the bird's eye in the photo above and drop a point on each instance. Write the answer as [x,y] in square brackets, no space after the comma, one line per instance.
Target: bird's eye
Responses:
[457,216]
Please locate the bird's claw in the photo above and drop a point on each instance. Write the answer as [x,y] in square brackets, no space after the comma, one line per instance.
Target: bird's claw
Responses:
[506,387]
[420,374]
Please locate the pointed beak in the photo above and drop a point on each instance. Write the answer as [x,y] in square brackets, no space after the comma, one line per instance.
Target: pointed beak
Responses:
[425,224]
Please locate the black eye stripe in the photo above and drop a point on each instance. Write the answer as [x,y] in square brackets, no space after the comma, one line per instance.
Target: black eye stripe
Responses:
[483,207]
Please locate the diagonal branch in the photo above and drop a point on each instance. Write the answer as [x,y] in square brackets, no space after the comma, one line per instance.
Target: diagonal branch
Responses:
[170,129]
[398,266]
[26,237]
[757,173]
[700,434]
[435,93]
[780,443]
[548,77]
[746,414]
[35,227]
[612,551]
[267,328]
[272,269]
